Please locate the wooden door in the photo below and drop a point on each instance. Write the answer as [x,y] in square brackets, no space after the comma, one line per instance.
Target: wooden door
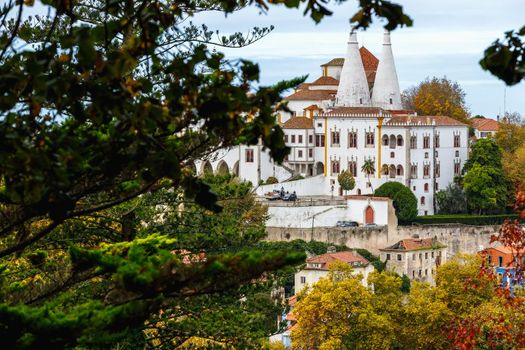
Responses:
[369,215]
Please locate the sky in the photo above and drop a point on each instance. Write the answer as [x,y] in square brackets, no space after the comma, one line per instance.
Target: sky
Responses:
[447,39]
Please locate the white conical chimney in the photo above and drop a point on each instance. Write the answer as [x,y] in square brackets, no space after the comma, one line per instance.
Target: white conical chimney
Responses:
[353,87]
[386,93]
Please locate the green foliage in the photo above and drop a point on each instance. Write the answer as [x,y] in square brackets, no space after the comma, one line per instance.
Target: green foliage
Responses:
[484,152]
[465,219]
[405,284]
[346,180]
[271,180]
[404,200]
[451,200]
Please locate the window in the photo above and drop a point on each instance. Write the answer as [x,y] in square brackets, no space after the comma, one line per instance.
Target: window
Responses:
[352,167]
[426,142]
[426,155]
[352,139]
[420,256]
[437,170]
[335,167]
[413,172]
[391,101]
[426,255]
[432,255]
[299,154]
[388,257]
[369,139]
[436,141]
[310,153]
[285,138]
[310,138]
[422,200]
[399,257]
[419,273]
[303,279]
[457,169]
[335,138]
[426,272]
[436,154]
[300,137]
[399,140]
[500,261]
[413,142]
[456,141]
[413,256]
[413,188]
[293,138]
[436,186]
[392,155]
[249,155]
[385,140]
[490,259]
[399,170]
[457,153]
[426,170]
[426,187]
[361,101]
[319,125]
[319,140]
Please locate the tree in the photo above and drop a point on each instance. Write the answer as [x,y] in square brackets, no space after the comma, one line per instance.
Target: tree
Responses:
[485,183]
[405,203]
[451,200]
[437,96]
[369,168]
[511,139]
[346,181]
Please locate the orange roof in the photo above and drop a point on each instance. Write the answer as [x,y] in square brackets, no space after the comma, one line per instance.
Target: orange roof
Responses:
[414,244]
[303,86]
[326,80]
[368,197]
[370,62]
[312,108]
[423,121]
[298,123]
[485,124]
[326,259]
[505,250]
[343,111]
[312,95]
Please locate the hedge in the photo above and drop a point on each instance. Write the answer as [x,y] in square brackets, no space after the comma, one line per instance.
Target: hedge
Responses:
[464,219]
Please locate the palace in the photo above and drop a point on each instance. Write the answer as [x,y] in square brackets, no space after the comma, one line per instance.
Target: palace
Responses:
[350,115]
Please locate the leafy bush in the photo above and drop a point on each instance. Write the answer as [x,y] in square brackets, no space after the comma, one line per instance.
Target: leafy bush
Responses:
[272,180]
[452,200]
[404,200]
[465,219]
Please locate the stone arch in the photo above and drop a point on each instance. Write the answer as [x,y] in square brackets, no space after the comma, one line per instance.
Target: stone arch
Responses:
[206,167]
[384,169]
[385,140]
[399,170]
[235,168]
[222,168]
[393,141]
[369,215]
[399,140]
[319,168]
[392,171]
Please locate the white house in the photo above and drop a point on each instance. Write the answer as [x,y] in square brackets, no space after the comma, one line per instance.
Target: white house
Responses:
[318,266]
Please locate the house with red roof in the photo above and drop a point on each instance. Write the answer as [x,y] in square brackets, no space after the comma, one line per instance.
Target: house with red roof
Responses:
[318,267]
[417,258]
[484,127]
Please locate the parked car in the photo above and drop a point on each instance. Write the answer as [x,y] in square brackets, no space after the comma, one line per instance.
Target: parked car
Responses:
[289,197]
[371,226]
[346,224]
[271,196]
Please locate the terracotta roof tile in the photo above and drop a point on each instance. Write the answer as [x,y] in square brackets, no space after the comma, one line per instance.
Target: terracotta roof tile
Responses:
[415,244]
[327,259]
[370,62]
[423,121]
[298,123]
[313,108]
[485,124]
[325,80]
[312,95]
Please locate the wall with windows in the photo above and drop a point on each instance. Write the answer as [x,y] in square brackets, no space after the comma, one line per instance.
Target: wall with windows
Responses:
[419,265]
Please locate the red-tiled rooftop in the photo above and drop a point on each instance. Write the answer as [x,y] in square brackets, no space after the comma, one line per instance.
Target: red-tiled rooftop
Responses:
[298,123]
[485,124]
[414,244]
[312,108]
[325,80]
[423,121]
[370,62]
[327,259]
[312,95]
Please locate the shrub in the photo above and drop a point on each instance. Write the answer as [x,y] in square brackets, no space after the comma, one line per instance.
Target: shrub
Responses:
[272,180]
[465,219]
[404,200]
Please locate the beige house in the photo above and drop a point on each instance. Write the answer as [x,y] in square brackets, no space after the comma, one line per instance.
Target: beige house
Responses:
[415,257]
[318,267]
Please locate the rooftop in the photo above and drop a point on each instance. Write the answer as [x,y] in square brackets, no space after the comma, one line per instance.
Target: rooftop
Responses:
[325,260]
[312,95]
[325,80]
[485,124]
[298,123]
[410,244]
[423,121]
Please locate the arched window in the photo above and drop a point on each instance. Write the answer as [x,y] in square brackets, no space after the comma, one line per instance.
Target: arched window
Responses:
[399,140]
[422,200]
[426,187]
[385,140]
[384,169]
[399,170]
[392,171]
[359,191]
[391,101]
[392,141]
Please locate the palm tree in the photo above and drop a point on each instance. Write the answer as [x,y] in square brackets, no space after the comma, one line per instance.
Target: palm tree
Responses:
[369,168]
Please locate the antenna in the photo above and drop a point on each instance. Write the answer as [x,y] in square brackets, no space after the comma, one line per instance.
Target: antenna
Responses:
[504,100]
